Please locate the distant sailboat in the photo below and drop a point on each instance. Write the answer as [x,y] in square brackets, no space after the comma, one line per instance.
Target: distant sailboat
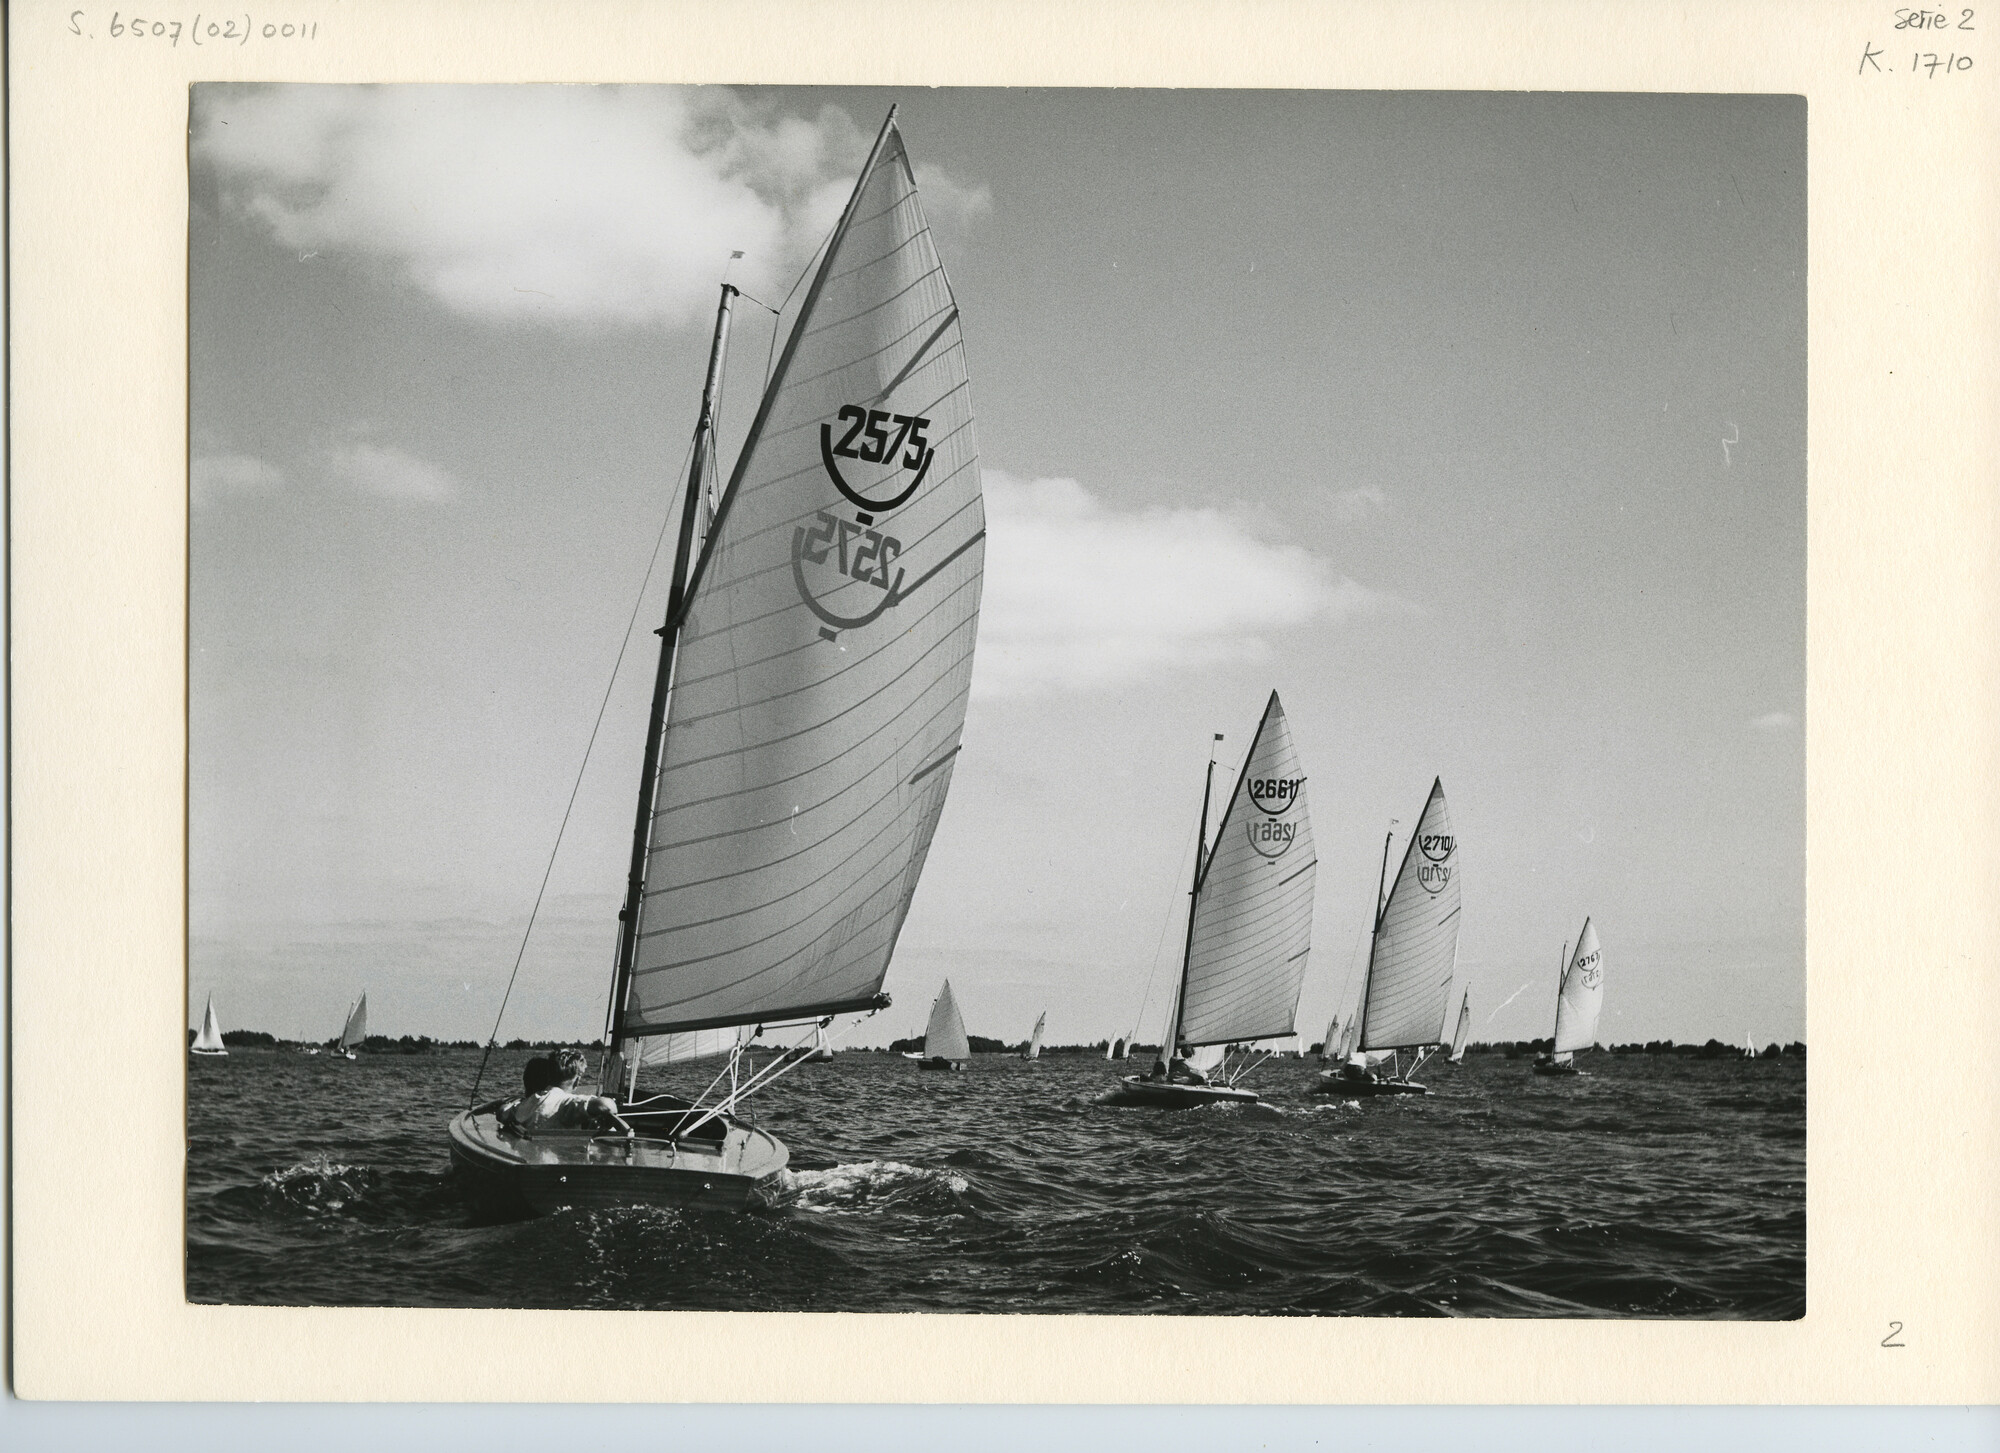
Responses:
[821,1052]
[1249,929]
[1464,1030]
[209,1040]
[945,1044]
[355,1030]
[1329,1045]
[1034,1049]
[1579,997]
[807,709]
[1412,958]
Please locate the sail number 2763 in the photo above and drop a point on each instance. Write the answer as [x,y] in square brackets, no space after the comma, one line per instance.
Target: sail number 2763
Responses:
[868,561]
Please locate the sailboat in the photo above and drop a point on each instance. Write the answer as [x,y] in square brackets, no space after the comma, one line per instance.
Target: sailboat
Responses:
[945,1044]
[209,1040]
[1249,929]
[1412,958]
[354,1030]
[1579,997]
[1330,1041]
[1463,1031]
[1034,1049]
[821,1052]
[806,714]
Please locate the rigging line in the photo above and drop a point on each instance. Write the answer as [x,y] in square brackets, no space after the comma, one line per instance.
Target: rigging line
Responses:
[1166,922]
[577,786]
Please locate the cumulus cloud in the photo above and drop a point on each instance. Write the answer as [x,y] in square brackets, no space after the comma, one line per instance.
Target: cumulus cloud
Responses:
[597,204]
[1081,595]
[213,477]
[391,474]
[1774,721]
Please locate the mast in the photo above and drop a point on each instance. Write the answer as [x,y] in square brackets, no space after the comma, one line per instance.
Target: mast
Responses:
[1381,883]
[1562,973]
[1187,948]
[656,723]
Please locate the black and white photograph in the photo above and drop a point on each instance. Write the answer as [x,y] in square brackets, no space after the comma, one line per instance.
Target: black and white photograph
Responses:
[1004,700]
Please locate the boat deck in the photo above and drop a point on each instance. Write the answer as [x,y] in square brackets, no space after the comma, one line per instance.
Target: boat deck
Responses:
[1139,1091]
[544,1172]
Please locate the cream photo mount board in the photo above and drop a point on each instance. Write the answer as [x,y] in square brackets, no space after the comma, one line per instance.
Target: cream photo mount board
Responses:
[1902,1273]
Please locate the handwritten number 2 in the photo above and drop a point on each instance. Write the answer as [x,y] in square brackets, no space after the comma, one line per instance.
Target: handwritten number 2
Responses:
[1895,1330]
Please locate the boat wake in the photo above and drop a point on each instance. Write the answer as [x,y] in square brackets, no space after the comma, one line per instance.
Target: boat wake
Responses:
[869,1185]
[321,1186]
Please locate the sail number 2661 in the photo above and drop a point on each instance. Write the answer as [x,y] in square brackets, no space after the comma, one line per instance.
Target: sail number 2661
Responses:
[870,558]
[871,426]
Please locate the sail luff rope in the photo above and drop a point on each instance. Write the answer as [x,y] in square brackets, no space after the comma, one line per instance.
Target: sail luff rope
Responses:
[577,786]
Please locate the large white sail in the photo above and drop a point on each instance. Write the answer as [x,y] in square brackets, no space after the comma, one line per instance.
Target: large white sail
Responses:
[1464,1029]
[356,1028]
[1034,1050]
[1416,940]
[1253,904]
[660,1049]
[944,1037]
[820,683]
[1581,995]
[209,1039]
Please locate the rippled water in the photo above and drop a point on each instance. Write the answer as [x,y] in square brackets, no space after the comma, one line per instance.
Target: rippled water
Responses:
[1651,1187]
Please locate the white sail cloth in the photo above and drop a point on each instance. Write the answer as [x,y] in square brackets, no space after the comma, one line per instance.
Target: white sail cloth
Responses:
[1034,1050]
[944,1037]
[1416,940]
[1464,1030]
[210,1036]
[356,1028]
[1581,997]
[820,681]
[1253,904]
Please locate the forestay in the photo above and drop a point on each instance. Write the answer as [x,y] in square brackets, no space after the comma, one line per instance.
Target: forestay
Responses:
[1253,905]
[820,683]
[1581,996]
[944,1037]
[1416,940]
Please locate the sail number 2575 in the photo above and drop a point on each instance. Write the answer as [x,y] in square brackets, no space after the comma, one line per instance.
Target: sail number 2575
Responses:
[871,426]
[870,558]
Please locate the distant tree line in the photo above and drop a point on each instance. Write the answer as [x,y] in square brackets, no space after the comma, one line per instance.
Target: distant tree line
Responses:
[384,1044]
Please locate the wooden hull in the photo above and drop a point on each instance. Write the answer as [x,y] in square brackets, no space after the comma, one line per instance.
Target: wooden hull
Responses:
[942,1066]
[1135,1090]
[211,1053]
[1342,1088]
[520,1175]
[1545,1067]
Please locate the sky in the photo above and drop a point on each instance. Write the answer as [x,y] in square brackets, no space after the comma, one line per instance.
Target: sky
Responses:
[1473,424]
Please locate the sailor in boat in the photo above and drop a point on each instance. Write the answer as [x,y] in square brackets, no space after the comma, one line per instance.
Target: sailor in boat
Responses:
[558,1106]
[1183,1072]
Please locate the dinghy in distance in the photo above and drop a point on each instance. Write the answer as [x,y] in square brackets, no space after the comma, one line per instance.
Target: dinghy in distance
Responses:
[1579,999]
[1034,1049]
[1249,930]
[1412,959]
[946,1047]
[354,1030]
[208,1042]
